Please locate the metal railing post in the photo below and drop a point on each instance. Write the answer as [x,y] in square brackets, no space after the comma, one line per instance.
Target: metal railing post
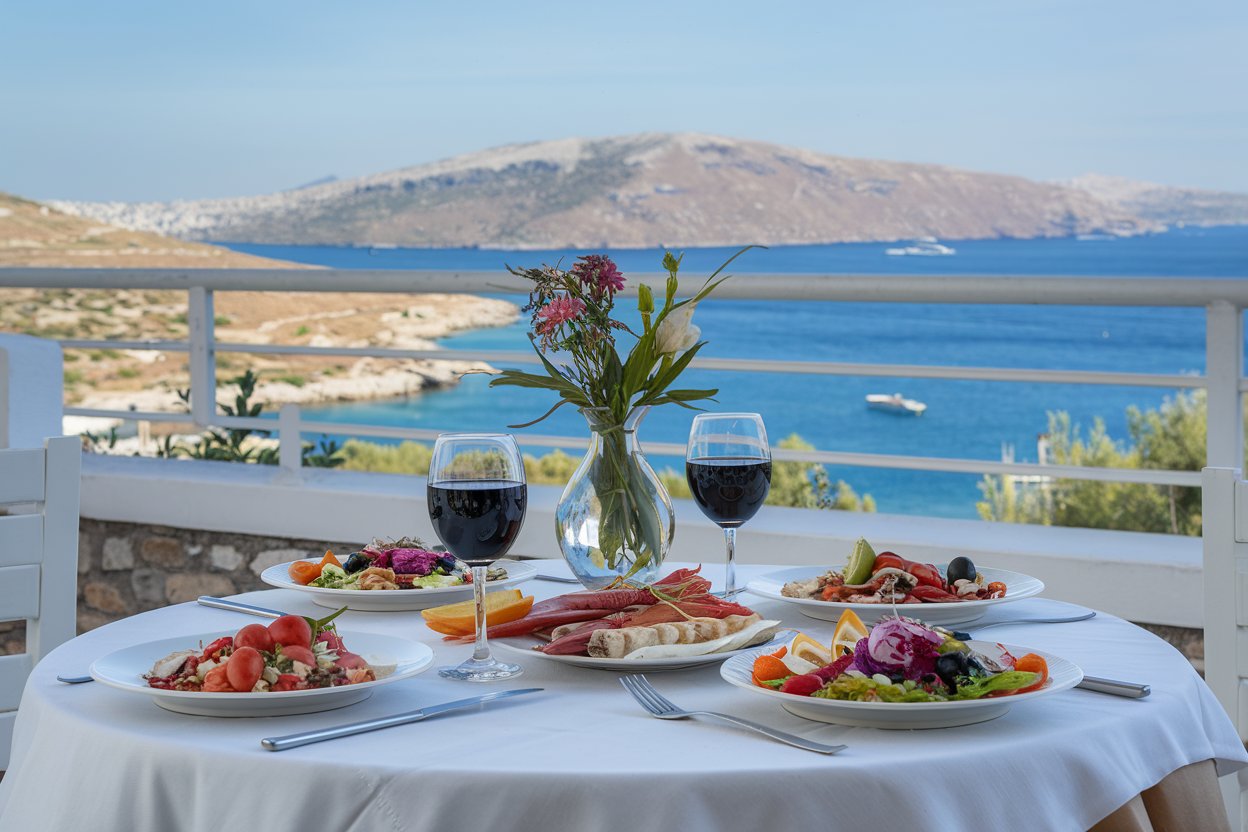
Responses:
[203,359]
[1224,367]
[290,442]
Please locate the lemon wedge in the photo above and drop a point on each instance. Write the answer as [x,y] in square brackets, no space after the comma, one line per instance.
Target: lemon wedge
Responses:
[849,630]
[805,647]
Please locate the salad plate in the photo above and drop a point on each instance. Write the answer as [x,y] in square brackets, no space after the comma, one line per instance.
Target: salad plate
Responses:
[523,648]
[388,600]
[391,658]
[1063,675]
[1019,586]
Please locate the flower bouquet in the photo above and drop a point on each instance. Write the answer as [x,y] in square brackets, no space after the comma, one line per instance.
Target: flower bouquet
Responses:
[614,519]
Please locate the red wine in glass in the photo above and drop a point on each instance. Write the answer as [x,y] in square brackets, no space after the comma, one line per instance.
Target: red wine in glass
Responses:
[728,467]
[729,490]
[477,520]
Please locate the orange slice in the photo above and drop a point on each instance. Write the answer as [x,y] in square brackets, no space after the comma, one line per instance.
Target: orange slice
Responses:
[805,647]
[849,630]
[460,619]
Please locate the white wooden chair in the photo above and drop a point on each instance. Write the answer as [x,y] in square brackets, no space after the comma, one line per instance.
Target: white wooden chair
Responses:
[38,560]
[1224,516]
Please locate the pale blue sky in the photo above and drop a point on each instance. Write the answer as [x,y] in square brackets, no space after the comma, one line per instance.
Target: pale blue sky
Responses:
[164,100]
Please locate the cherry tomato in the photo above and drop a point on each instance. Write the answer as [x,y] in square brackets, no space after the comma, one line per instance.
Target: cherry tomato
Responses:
[300,654]
[291,631]
[244,668]
[332,639]
[254,635]
[349,660]
[286,681]
[217,682]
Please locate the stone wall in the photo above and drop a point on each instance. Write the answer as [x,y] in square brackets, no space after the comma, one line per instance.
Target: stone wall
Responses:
[124,569]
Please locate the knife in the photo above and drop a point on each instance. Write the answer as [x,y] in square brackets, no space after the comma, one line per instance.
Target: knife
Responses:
[351,729]
[238,606]
[1131,690]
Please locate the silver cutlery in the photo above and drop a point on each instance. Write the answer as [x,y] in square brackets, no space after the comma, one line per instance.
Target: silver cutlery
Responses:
[351,729]
[960,636]
[74,680]
[238,606]
[555,579]
[658,706]
[1113,687]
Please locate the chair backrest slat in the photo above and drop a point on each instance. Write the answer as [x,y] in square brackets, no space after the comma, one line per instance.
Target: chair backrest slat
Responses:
[21,539]
[19,592]
[1241,511]
[21,476]
[13,673]
[58,598]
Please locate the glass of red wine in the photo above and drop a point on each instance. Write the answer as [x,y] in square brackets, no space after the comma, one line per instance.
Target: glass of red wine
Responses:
[728,467]
[477,497]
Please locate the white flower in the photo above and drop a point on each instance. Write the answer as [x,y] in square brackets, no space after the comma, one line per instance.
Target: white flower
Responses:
[677,333]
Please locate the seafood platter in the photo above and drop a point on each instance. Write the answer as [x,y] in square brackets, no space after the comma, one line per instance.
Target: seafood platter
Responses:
[872,585]
[390,575]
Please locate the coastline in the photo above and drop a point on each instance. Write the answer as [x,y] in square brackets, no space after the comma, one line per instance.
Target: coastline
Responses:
[356,320]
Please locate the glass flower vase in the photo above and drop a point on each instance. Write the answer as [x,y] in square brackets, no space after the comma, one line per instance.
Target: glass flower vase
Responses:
[615,518]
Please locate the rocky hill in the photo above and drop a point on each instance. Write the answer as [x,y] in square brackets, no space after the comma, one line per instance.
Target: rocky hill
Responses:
[32,234]
[683,189]
[1165,204]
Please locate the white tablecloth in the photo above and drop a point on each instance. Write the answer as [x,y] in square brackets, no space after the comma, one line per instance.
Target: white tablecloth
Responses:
[583,756]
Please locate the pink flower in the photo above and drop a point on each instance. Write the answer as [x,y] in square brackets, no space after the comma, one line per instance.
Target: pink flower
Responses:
[558,312]
[599,273]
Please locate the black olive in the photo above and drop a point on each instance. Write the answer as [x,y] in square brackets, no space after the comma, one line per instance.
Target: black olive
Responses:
[949,666]
[960,569]
[357,562]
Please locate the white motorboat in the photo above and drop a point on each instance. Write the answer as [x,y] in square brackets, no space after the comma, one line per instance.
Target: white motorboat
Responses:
[896,403]
[926,247]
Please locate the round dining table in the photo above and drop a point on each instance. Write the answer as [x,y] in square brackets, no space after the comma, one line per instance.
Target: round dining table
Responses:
[583,756]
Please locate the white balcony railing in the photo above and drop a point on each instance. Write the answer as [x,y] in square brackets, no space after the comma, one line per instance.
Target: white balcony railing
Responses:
[1223,300]
[1161,583]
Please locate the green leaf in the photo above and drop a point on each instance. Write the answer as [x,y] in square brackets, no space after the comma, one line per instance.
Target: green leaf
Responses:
[665,377]
[561,403]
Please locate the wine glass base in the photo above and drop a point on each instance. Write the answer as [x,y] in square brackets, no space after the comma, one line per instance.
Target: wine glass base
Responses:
[481,670]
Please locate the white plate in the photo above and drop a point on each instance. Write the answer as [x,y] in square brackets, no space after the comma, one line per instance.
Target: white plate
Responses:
[522,647]
[124,670]
[1063,675]
[385,600]
[1017,587]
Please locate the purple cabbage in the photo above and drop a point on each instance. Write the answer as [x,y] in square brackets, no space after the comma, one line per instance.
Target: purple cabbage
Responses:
[413,561]
[898,647]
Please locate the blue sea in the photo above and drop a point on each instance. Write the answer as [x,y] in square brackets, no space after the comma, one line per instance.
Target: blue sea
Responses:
[963,419]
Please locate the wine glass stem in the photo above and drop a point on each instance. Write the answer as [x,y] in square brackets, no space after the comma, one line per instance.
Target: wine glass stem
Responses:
[480,649]
[730,571]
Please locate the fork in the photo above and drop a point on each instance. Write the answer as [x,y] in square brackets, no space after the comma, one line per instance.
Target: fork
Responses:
[658,706]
